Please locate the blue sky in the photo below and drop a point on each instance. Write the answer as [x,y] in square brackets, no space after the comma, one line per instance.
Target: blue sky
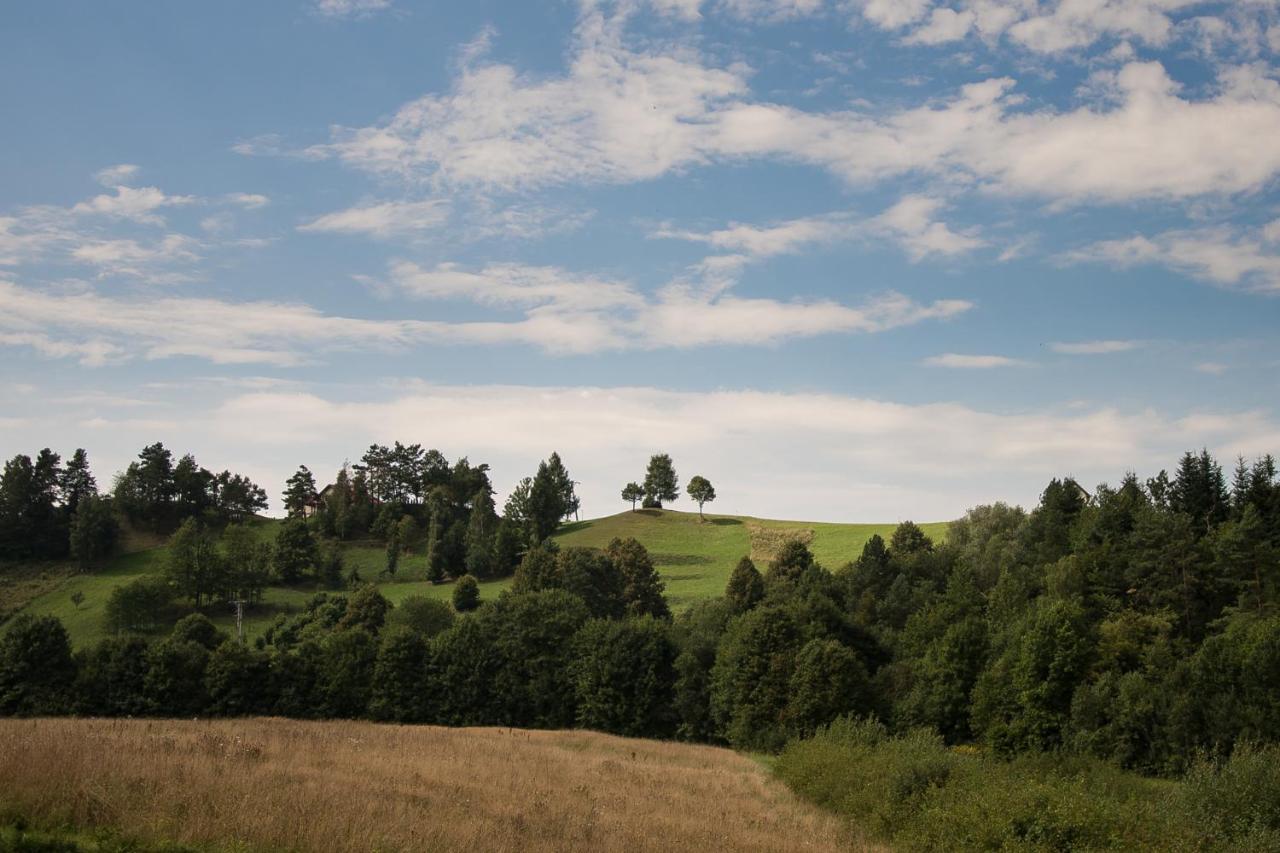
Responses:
[859,260]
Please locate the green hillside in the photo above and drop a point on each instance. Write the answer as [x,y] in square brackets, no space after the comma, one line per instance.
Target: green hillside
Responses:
[694,557]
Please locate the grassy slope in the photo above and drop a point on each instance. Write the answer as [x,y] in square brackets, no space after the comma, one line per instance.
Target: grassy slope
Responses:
[694,558]
[320,786]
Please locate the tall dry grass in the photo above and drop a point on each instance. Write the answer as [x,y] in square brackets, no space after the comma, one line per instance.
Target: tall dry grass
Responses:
[283,784]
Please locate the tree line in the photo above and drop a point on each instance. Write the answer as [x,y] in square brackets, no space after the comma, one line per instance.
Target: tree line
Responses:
[1137,624]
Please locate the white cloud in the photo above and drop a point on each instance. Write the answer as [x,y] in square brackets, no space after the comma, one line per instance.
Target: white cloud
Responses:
[349,8]
[893,14]
[765,241]
[90,353]
[911,222]
[389,219]
[972,362]
[863,459]
[618,115]
[152,260]
[137,204]
[115,176]
[768,10]
[569,313]
[1223,256]
[1057,26]
[249,201]
[1213,368]
[222,332]
[1094,347]
[562,313]
[944,25]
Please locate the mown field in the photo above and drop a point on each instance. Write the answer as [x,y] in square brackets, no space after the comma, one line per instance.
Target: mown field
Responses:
[272,784]
[693,556]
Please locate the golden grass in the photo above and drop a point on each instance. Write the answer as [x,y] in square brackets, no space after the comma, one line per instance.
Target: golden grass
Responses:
[766,542]
[282,784]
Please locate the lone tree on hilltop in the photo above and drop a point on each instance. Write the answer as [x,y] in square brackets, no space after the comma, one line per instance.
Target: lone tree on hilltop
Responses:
[660,482]
[632,492]
[701,490]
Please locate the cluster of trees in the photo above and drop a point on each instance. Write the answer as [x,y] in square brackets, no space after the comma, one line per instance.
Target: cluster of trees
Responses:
[1140,624]
[415,500]
[661,484]
[49,510]
[545,656]
[157,493]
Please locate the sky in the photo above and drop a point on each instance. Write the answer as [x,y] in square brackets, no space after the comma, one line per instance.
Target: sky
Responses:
[851,260]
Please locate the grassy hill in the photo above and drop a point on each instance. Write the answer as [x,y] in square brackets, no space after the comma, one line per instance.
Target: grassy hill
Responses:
[318,786]
[694,557]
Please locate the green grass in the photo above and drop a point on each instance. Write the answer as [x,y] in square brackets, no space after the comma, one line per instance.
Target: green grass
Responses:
[694,558]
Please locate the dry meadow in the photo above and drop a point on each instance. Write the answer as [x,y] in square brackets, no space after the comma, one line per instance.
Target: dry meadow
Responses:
[278,784]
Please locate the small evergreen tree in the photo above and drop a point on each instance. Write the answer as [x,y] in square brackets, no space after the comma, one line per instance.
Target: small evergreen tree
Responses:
[660,482]
[466,594]
[745,587]
[300,490]
[482,530]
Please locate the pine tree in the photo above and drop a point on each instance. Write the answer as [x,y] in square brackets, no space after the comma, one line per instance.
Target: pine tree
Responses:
[436,503]
[642,587]
[466,594]
[482,529]
[300,490]
[660,481]
[632,492]
[77,482]
[745,587]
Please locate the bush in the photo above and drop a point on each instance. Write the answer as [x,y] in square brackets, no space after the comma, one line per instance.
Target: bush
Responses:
[466,594]
[921,795]
[1234,803]
[138,605]
[421,615]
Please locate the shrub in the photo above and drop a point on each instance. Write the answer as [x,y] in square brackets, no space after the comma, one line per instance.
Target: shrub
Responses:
[919,794]
[138,605]
[422,615]
[466,594]
[1235,803]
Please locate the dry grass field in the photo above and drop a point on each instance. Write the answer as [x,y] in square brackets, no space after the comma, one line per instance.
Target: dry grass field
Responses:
[272,784]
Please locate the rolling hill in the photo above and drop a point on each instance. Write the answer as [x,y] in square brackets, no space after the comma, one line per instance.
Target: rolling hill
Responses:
[694,557]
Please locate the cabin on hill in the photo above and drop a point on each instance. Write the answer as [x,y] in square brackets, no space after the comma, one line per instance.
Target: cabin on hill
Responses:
[317,502]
